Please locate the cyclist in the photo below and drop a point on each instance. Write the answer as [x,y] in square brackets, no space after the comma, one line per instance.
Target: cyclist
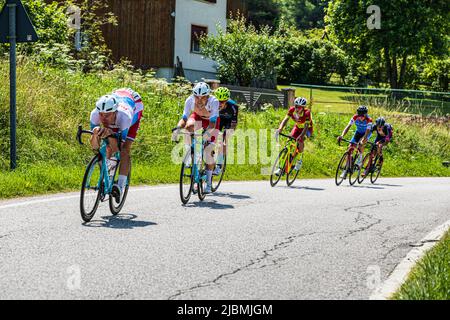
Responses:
[201,110]
[120,111]
[384,137]
[303,126]
[363,124]
[228,121]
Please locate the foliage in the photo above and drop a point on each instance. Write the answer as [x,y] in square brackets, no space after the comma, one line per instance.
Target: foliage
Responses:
[243,53]
[409,29]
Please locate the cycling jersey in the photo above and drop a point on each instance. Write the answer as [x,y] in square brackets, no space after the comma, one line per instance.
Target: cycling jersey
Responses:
[229,115]
[362,123]
[128,115]
[302,118]
[387,133]
[212,107]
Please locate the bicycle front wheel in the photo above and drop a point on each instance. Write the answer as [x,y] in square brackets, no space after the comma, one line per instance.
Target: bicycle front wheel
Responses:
[186,178]
[293,173]
[279,165]
[113,205]
[91,189]
[341,171]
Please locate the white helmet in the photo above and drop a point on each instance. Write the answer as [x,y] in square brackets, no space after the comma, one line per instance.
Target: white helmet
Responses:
[107,104]
[300,102]
[201,89]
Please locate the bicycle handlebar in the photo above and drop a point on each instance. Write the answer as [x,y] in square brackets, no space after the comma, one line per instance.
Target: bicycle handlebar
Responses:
[287,136]
[81,131]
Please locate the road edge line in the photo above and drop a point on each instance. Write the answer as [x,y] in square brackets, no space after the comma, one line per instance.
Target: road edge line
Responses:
[401,272]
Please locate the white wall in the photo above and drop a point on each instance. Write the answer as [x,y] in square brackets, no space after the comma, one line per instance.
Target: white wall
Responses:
[200,13]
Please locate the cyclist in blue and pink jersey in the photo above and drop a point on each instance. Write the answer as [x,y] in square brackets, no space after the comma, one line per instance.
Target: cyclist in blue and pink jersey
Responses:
[363,124]
[120,111]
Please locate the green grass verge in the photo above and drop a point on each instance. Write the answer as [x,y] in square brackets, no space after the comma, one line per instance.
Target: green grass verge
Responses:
[51,104]
[430,278]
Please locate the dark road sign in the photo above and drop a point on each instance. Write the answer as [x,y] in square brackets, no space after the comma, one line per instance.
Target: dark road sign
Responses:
[25,31]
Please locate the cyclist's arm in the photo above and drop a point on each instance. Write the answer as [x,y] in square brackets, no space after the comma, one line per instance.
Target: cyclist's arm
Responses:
[283,123]
[215,106]
[305,130]
[234,119]
[346,130]
[188,107]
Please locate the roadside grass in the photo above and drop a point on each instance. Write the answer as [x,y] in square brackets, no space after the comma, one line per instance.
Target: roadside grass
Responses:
[52,103]
[430,278]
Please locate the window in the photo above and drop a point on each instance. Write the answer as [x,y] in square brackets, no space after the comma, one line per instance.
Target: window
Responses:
[196,33]
[212,1]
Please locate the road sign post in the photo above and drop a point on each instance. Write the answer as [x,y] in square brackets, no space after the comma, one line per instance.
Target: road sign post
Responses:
[12,85]
[15,26]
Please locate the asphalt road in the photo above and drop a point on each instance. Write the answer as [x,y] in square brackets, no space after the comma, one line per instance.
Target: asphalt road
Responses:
[249,241]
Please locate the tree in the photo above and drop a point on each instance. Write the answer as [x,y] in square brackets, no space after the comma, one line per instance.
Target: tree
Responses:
[306,58]
[304,14]
[243,53]
[410,29]
[263,13]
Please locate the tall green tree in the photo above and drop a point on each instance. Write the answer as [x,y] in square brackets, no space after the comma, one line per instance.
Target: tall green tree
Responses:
[410,30]
[243,53]
[303,14]
[263,13]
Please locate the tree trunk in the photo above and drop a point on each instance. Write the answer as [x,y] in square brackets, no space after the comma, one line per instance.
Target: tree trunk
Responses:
[394,78]
[401,82]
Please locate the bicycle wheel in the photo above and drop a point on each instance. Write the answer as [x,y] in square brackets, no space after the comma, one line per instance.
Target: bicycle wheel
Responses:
[293,173]
[91,189]
[201,185]
[355,172]
[113,206]
[341,169]
[186,178]
[365,168]
[377,170]
[277,165]
[217,180]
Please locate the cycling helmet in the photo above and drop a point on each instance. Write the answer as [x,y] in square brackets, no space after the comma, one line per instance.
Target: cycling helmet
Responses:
[380,122]
[300,102]
[201,89]
[107,104]
[362,110]
[222,94]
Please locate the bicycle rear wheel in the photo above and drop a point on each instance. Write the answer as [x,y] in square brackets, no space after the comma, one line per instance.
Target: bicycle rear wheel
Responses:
[365,167]
[277,165]
[355,172]
[186,177]
[113,206]
[377,170]
[201,185]
[91,189]
[293,173]
[341,169]
[217,180]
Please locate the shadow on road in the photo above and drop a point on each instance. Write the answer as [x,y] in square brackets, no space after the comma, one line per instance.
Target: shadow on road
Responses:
[305,188]
[231,195]
[211,204]
[388,185]
[121,221]
[368,187]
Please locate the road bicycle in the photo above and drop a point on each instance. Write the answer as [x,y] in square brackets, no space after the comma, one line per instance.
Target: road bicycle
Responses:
[348,165]
[371,165]
[286,162]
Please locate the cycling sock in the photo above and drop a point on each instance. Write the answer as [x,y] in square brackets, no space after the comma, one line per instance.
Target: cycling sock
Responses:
[122,181]
[209,176]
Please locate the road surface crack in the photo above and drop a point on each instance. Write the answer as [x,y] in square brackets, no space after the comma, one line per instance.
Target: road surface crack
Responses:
[266,254]
[363,217]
